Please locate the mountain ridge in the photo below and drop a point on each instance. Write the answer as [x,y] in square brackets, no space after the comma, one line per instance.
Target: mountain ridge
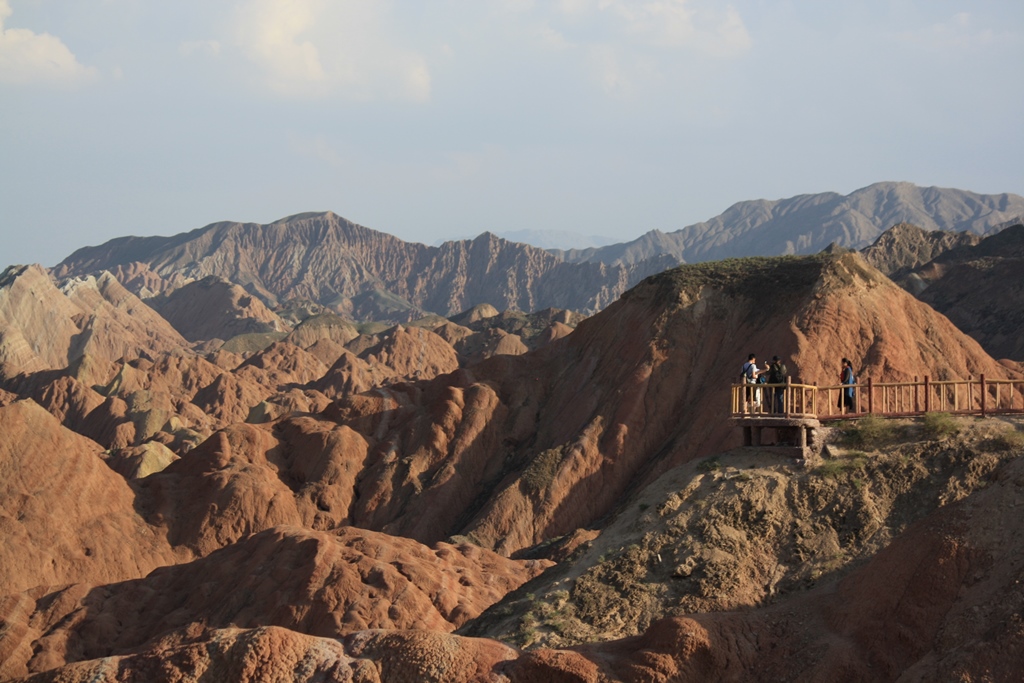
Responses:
[808,223]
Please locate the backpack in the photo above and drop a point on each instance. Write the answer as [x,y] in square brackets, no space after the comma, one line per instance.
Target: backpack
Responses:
[777,374]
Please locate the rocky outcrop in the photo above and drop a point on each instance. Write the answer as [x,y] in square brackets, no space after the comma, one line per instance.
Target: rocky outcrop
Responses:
[37,322]
[324,326]
[904,247]
[412,353]
[44,328]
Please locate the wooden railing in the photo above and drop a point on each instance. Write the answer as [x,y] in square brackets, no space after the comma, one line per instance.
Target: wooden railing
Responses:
[891,399]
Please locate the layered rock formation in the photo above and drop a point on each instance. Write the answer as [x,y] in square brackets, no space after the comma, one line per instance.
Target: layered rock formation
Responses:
[43,327]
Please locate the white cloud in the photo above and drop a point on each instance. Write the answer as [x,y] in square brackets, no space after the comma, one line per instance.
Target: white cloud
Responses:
[29,57]
[316,48]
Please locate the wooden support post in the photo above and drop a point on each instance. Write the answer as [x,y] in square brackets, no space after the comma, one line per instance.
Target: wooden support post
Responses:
[982,378]
[970,394]
[871,395]
[927,396]
[917,402]
[787,397]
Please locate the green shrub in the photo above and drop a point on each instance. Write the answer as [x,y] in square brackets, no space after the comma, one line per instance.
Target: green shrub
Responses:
[835,468]
[709,465]
[539,474]
[870,432]
[1010,440]
[939,425]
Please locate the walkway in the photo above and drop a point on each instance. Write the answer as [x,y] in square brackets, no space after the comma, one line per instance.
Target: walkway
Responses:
[894,399]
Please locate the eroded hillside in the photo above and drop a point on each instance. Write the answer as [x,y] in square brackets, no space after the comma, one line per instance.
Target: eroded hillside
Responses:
[334,503]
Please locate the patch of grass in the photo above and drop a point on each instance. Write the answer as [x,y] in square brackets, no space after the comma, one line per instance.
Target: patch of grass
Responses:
[939,425]
[1010,440]
[371,328]
[709,465]
[869,432]
[244,344]
[839,467]
[539,474]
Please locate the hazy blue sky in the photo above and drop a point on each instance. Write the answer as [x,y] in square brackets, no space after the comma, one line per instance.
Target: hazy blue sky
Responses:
[450,117]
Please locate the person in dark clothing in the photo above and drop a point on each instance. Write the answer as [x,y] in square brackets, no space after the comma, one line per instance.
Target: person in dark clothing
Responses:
[848,379]
[777,374]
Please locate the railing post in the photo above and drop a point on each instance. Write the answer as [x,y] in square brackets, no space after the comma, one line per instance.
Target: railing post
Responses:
[927,396]
[787,398]
[982,378]
[917,402]
[871,396]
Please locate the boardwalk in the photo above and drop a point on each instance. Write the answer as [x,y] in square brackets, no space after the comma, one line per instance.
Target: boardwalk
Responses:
[894,399]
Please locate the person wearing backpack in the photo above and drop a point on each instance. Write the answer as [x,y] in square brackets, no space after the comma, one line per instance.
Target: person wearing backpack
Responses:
[777,374]
[749,375]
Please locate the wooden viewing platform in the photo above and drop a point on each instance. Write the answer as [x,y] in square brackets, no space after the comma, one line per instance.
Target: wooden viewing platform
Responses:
[971,396]
[805,406]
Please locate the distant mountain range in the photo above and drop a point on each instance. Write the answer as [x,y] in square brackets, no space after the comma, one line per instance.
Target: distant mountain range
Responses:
[808,223]
[368,275]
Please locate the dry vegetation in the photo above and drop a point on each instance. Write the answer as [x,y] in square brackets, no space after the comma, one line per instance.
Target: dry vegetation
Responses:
[743,529]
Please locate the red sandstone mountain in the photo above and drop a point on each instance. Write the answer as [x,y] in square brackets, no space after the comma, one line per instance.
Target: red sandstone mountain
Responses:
[942,598]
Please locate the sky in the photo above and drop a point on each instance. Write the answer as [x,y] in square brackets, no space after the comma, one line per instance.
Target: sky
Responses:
[445,119]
